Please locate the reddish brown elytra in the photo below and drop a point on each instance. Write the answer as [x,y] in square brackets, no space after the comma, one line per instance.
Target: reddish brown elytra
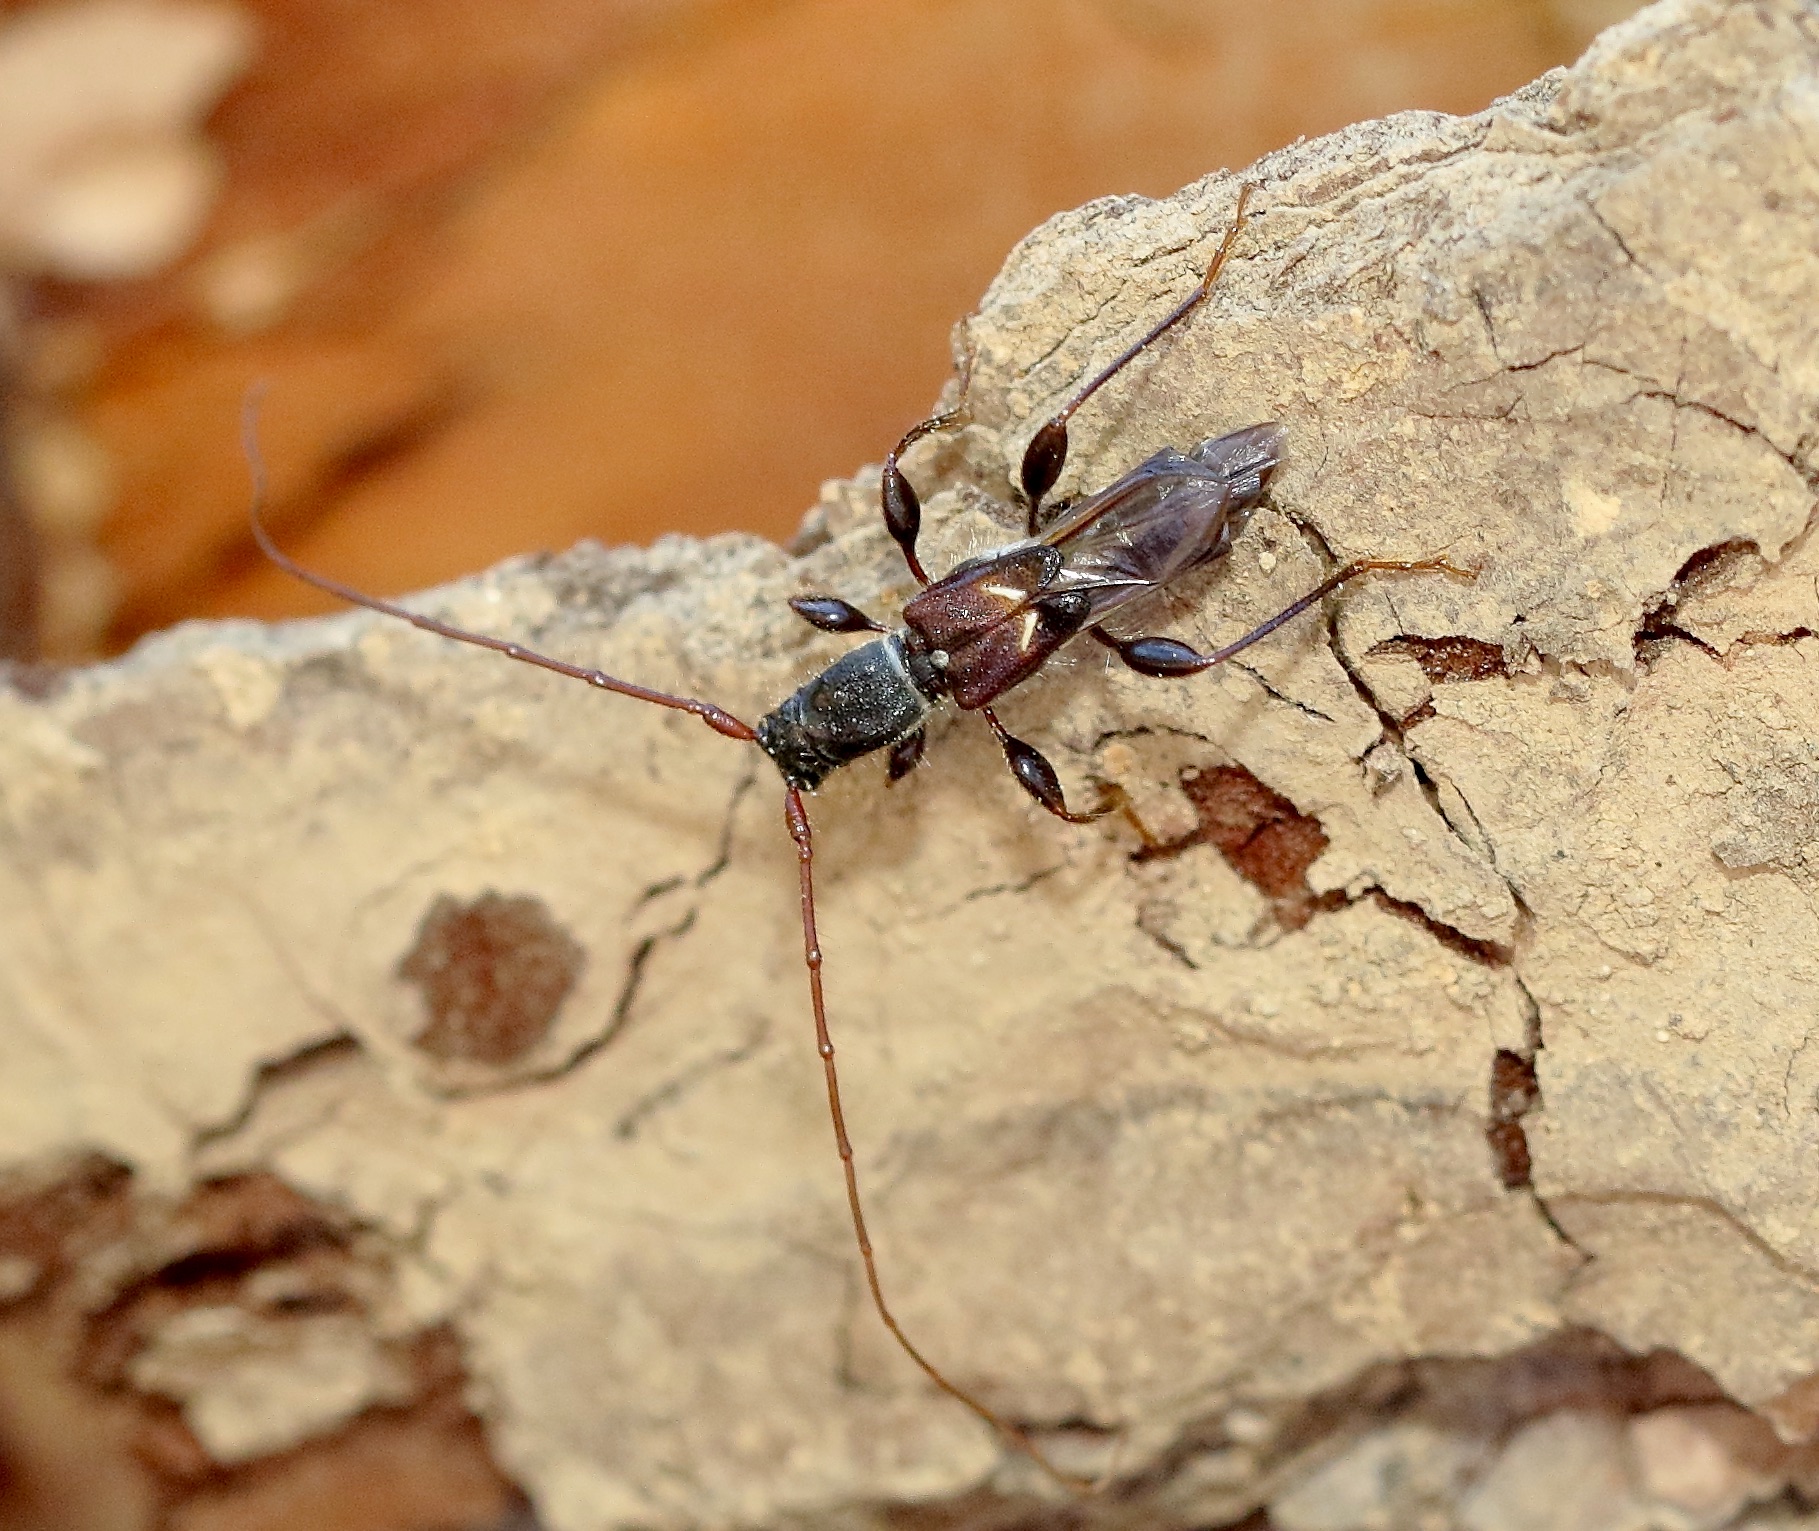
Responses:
[967,638]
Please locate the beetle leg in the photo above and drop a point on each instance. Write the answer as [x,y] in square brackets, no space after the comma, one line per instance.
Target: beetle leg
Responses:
[1167,658]
[906,755]
[1046,453]
[833,615]
[1035,775]
[897,496]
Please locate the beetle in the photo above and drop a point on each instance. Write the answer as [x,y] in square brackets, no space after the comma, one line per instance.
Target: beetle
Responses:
[967,638]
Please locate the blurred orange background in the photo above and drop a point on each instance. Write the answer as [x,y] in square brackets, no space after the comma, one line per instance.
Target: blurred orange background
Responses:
[517,272]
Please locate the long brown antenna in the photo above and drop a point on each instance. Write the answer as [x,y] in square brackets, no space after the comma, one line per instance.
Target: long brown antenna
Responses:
[716,718]
[722,722]
[797,816]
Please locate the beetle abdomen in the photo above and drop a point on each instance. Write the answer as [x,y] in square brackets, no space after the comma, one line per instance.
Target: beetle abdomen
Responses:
[862,702]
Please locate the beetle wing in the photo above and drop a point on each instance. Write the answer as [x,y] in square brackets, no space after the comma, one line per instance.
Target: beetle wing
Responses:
[1169,514]
[1006,656]
[981,594]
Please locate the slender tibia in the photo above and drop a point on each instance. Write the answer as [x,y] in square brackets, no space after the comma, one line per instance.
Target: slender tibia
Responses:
[716,718]
[1165,658]
[797,817]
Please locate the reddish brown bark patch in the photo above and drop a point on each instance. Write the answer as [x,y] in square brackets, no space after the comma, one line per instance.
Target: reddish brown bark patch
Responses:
[1514,1093]
[1489,954]
[1267,840]
[1445,660]
[493,973]
[83,1450]
[223,1232]
[424,1467]
[44,1227]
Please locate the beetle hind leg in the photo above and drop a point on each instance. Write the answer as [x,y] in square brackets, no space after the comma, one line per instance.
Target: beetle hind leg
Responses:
[1169,658]
[1046,453]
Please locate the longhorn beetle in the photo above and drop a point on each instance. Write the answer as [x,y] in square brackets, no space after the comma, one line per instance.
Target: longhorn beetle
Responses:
[969,637]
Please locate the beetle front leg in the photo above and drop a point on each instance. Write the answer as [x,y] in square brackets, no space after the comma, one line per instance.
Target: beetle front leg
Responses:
[833,615]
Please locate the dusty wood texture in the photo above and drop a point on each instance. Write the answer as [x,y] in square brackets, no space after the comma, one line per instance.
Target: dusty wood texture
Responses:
[1468,1012]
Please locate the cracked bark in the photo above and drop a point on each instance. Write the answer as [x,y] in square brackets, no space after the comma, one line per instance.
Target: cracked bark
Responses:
[1148,1161]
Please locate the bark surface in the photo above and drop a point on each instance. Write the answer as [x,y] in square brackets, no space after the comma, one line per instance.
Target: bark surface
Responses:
[1458,1036]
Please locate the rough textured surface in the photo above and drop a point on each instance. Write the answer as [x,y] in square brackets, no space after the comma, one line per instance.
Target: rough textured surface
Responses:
[1186,1147]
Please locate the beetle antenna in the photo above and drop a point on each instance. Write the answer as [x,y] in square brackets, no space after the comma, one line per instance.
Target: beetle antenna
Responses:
[721,722]
[1013,1434]
[716,718]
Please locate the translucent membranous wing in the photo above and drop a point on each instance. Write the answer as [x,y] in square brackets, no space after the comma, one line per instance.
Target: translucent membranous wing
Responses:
[1169,514]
